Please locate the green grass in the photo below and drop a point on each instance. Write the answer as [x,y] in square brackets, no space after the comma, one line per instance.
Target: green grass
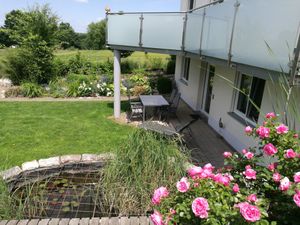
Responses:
[34,130]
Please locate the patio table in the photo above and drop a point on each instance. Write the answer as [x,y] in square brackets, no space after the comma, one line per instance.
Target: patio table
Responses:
[152,101]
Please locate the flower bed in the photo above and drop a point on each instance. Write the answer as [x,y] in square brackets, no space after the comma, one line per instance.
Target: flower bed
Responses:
[247,190]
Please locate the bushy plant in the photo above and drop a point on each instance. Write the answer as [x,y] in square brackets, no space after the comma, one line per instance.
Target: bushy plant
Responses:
[60,68]
[244,191]
[31,90]
[164,85]
[171,65]
[14,91]
[58,88]
[140,85]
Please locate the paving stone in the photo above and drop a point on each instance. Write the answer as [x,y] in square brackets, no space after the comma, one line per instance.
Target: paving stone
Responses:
[94,221]
[30,165]
[33,222]
[144,220]
[12,222]
[44,222]
[114,221]
[22,222]
[53,161]
[64,222]
[54,221]
[70,158]
[84,221]
[3,222]
[134,221]
[74,221]
[124,221]
[12,172]
[106,156]
[104,221]
[89,158]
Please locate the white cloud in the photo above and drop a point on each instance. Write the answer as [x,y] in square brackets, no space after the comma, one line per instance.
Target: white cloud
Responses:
[82,1]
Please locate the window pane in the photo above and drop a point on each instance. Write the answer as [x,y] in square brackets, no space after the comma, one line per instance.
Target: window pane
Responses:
[244,91]
[210,84]
[191,4]
[186,68]
[257,91]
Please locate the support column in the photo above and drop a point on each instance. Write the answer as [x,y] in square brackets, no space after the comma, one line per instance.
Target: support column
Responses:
[117,77]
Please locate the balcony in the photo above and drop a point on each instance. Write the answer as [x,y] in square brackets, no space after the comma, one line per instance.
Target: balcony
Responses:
[256,33]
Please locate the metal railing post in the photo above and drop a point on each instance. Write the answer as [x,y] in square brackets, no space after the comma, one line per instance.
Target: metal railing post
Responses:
[202,30]
[141,31]
[236,5]
[185,18]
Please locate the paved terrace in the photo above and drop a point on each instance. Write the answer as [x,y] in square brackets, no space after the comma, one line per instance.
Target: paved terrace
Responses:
[206,145]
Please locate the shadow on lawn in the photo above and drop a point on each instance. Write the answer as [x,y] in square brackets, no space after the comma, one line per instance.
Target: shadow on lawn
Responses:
[124,105]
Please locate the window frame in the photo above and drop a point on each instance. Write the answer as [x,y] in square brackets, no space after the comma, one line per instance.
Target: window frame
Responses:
[186,65]
[237,94]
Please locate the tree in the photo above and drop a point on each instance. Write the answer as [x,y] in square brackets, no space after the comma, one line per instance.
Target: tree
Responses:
[66,36]
[96,35]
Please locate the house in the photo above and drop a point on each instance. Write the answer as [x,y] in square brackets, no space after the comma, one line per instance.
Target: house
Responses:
[226,50]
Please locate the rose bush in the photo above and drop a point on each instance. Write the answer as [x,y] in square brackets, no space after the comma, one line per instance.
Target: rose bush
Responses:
[259,186]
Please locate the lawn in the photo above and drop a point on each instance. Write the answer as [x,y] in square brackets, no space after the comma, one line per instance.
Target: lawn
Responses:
[34,130]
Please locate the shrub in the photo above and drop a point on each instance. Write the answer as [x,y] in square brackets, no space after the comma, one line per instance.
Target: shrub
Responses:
[144,161]
[246,190]
[58,88]
[31,90]
[60,68]
[127,66]
[171,65]
[164,85]
[14,91]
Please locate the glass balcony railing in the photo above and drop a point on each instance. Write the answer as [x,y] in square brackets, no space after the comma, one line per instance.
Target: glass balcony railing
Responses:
[260,33]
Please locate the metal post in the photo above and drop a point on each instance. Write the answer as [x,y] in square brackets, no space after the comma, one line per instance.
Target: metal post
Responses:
[185,18]
[236,5]
[141,30]
[107,11]
[202,29]
[117,76]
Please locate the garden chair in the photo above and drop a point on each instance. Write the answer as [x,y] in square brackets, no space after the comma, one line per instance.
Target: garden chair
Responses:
[166,112]
[172,96]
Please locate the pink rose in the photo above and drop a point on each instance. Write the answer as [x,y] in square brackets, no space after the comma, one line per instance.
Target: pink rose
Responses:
[276,177]
[250,173]
[236,188]
[296,198]
[159,193]
[196,184]
[272,166]
[251,213]
[244,151]
[284,184]
[195,171]
[183,185]
[200,207]
[263,132]
[248,130]
[172,211]
[227,154]
[290,154]
[282,129]
[252,198]
[297,177]
[156,218]
[270,115]
[249,155]
[270,149]
[209,167]
[295,136]
[248,167]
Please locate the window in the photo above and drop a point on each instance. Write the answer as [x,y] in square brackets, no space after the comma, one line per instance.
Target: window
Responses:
[191,4]
[186,69]
[249,96]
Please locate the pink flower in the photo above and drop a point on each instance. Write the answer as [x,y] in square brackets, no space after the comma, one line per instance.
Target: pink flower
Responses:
[276,177]
[183,185]
[284,184]
[296,198]
[282,129]
[251,213]
[200,207]
[196,184]
[248,167]
[252,198]
[209,167]
[195,171]
[248,130]
[156,218]
[263,132]
[227,154]
[250,173]
[244,151]
[159,193]
[295,136]
[249,155]
[172,211]
[270,115]
[297,177]
[272,166]
[270,149]
[236,188]
[290,154]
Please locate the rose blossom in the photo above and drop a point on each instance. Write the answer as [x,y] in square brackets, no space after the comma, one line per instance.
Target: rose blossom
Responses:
[290,154]
[249,155]
[159,193]
[272,166]
[282,129]
[295,136]
[270,115]
[252,198]
[183,185]
[296,198]
[156,218]
[284,184]
[227,154]
[276,177]
[208,166]
[251,213]
[270,149]
[250,173]
[297,177]
[236,188]
[248,130]
[200,207]
[195,171]
[263,132]
[244,151]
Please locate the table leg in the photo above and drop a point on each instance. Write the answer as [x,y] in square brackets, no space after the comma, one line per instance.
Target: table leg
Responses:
[144,113]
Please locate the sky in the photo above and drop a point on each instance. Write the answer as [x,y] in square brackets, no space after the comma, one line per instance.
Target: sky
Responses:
[80,13]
